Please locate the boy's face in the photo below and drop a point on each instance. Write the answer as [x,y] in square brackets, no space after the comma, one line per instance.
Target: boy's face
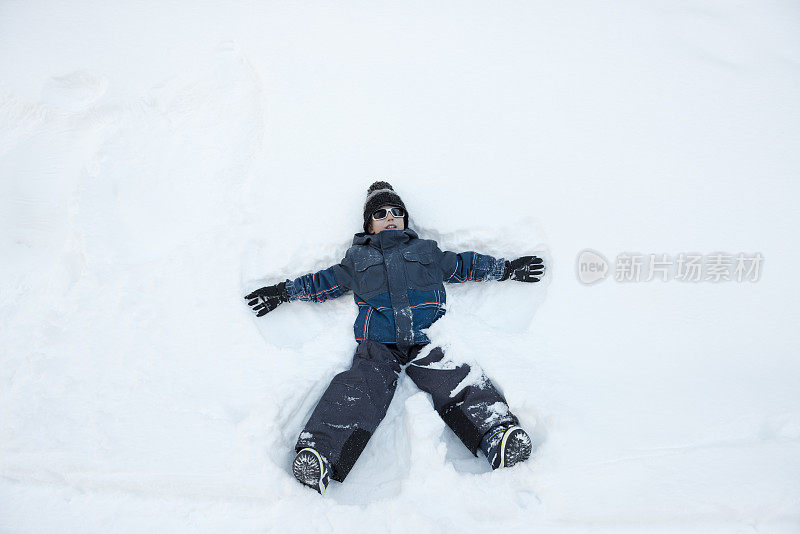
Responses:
[389,223]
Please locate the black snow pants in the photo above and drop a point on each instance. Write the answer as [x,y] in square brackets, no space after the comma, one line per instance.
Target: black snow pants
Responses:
[357,399]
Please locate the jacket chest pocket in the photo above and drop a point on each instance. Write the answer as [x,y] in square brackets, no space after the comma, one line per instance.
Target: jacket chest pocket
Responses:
[370,273]
[421,270]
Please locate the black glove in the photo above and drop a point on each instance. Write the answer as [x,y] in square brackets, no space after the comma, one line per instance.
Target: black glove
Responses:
[524,269]
[267,298]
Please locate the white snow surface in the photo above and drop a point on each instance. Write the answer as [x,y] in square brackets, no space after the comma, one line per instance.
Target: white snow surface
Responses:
[159,160]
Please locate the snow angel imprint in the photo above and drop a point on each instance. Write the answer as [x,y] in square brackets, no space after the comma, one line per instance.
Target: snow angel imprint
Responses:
[397,280]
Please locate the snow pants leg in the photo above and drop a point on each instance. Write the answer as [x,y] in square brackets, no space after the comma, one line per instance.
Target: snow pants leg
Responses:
[357,399]
[470,407]
[352,407]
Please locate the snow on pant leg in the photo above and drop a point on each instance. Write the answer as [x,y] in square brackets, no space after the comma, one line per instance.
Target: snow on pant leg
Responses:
[470,406]
[352,407]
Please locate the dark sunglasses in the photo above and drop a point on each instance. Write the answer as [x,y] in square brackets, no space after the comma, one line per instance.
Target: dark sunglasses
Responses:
[377,215]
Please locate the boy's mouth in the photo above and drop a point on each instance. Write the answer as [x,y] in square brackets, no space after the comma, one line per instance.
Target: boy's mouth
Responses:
[391,227]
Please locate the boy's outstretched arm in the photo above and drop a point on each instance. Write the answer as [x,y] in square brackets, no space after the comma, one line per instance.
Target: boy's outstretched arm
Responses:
[471,266]
[313,287]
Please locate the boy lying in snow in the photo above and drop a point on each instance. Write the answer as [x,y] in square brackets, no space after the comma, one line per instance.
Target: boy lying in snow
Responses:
[397,281]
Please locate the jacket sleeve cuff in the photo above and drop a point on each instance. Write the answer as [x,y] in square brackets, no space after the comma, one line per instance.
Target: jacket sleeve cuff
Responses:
[293,291]
[498,269]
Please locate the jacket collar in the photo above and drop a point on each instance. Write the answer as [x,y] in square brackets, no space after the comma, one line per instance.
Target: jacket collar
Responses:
[385,239]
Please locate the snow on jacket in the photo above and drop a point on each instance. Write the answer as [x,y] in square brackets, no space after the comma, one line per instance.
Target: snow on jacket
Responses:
[397,280]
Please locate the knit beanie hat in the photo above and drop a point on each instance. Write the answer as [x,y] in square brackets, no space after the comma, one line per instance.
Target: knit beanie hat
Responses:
[381,194]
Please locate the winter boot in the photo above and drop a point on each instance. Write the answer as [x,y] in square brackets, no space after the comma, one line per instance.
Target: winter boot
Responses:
[506,445]
[311,469]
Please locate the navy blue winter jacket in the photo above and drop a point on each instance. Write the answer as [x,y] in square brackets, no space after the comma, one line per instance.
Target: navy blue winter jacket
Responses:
[397,280]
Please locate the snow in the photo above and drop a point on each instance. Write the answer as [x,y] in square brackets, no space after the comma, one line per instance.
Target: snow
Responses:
[160,160]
